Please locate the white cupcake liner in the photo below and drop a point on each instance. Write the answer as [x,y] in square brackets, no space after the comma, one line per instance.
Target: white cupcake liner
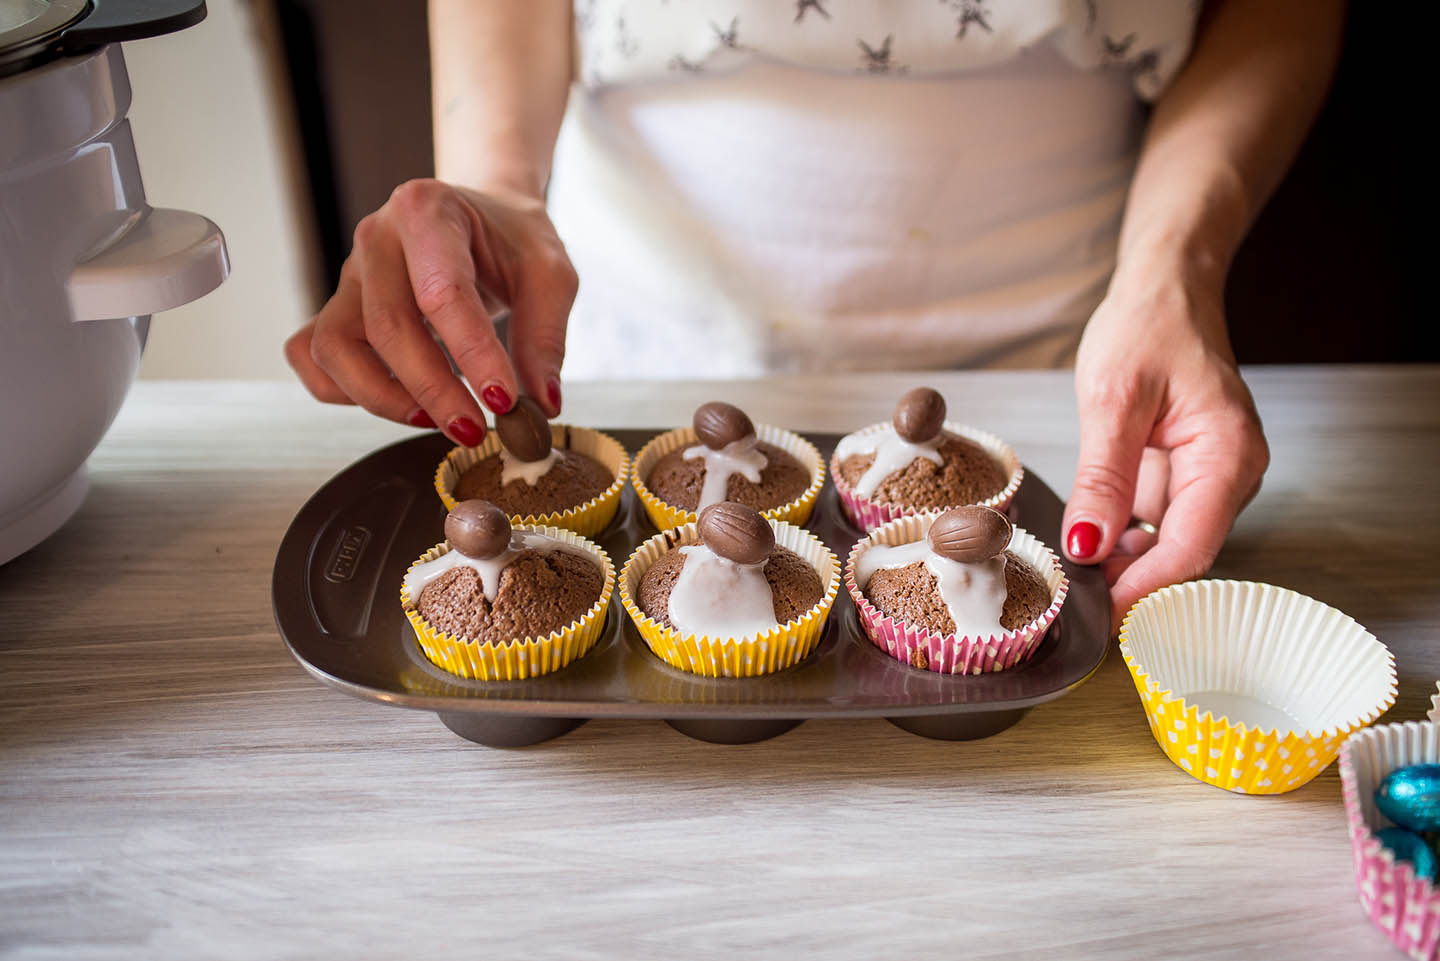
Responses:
[780,647]
[666,516]
[1252,687]
[1405,907]
[868,514]
[1434,713]
[949,654]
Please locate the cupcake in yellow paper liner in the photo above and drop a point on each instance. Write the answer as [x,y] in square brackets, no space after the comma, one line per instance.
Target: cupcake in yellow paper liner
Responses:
[496,603]
[539,473]
[1251,687]
[921,463]
[732,595]
[722,456]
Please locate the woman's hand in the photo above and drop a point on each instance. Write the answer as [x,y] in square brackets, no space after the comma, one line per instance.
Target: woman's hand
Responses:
[449,256]
[1168,434]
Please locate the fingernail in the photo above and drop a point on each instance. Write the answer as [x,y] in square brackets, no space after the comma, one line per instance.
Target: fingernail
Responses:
[1083,540]
[496,399]
[466,431]
[552,392]
[418,418]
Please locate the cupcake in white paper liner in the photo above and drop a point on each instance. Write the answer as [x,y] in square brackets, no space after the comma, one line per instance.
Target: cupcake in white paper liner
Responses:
[952,653]
[1252,687]
[1405,907]
[749,656]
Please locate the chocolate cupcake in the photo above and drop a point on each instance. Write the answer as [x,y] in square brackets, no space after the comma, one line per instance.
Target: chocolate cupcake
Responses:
[732,595]
[496,602]
[722,456]
[921,462]
[539,473]
[961,592]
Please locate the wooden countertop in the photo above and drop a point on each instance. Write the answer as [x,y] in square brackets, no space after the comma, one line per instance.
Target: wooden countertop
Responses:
[173,785]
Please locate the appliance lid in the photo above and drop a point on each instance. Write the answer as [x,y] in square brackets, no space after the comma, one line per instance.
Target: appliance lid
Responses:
[33,32]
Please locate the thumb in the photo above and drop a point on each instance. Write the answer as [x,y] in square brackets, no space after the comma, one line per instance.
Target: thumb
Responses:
[539,314]
[1114,429]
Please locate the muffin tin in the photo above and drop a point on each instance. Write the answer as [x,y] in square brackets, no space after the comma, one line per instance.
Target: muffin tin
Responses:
[336,590]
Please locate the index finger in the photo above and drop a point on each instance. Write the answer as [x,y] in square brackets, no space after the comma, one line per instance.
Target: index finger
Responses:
[435,233]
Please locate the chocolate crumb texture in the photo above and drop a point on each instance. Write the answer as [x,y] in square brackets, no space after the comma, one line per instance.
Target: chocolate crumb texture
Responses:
[912,595]
[678,482]
[571,481]
[539,593]
[793,582]
[968,475]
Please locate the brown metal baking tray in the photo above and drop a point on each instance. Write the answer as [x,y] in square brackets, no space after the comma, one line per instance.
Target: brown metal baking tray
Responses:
[336,590]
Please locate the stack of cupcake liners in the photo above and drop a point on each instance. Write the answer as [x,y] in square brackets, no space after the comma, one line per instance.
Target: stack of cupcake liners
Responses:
[1252,687]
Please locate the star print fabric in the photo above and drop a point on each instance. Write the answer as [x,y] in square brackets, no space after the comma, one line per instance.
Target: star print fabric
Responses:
[634,41]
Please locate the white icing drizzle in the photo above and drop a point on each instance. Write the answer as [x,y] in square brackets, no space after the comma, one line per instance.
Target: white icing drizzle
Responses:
[488,568]
[741,457]
[974,594]
[892,453]
[716,597]
[512,468]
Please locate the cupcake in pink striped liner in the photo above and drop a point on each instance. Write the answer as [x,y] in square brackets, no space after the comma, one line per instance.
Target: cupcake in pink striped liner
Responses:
[961,592]
[920,462]
[1405,907]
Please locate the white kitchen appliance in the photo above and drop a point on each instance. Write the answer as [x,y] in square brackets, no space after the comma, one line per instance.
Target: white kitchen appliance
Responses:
[84,261]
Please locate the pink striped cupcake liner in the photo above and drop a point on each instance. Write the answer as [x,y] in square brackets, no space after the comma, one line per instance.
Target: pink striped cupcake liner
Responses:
[1403,906]
[869,514]
[949,654]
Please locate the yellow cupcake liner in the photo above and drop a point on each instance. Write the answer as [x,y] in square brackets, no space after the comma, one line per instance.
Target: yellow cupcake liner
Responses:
[522,657]
[589,518]
[776,649]
[1257,648]
[665,516]
[869,514]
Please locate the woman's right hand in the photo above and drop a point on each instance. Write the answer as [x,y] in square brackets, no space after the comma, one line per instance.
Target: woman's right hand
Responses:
[448,255]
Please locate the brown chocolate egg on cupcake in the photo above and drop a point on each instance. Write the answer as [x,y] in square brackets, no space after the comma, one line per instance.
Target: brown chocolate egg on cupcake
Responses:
[496,602]
[539,473]
[732,595]
[960,592]
[920,462]
[723,456]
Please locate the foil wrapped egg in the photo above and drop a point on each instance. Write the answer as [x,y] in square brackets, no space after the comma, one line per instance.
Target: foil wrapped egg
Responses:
[1410,796]
[1409,846]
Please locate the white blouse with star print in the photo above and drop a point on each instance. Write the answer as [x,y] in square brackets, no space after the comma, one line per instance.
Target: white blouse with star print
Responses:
[751,186]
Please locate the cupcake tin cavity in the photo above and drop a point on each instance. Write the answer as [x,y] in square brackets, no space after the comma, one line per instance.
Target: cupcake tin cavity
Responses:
[336,589]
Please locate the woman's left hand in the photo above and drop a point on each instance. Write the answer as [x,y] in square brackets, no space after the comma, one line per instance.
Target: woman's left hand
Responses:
[1168,434]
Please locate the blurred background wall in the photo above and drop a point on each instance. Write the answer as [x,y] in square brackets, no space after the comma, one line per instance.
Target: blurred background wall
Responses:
[286,121]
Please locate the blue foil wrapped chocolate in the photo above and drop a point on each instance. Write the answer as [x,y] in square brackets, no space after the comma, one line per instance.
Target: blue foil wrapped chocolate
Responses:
[1410,796]
[1409,846]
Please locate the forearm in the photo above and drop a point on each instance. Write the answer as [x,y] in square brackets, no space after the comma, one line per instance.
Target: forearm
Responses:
[1223,135]
[500,75]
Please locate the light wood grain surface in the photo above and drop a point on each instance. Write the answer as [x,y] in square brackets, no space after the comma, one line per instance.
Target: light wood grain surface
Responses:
[173,785]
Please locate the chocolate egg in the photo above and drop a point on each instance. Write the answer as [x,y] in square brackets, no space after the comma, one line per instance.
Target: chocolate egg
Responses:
[524,430]
[970,534]
[920,415]
[478,529]
[1410,796]
[736,532]
[1409,846]
[718,423]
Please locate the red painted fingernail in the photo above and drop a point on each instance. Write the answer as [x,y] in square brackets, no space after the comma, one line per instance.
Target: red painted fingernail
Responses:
[466,431]
[496,399]
[418,418]
[1083,541]
[552,392]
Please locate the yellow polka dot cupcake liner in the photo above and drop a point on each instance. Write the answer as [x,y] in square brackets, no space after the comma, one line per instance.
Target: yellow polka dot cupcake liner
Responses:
[869,514]
[776,649]
[1250,687]
[522,657]
[589,518]
[666,516]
